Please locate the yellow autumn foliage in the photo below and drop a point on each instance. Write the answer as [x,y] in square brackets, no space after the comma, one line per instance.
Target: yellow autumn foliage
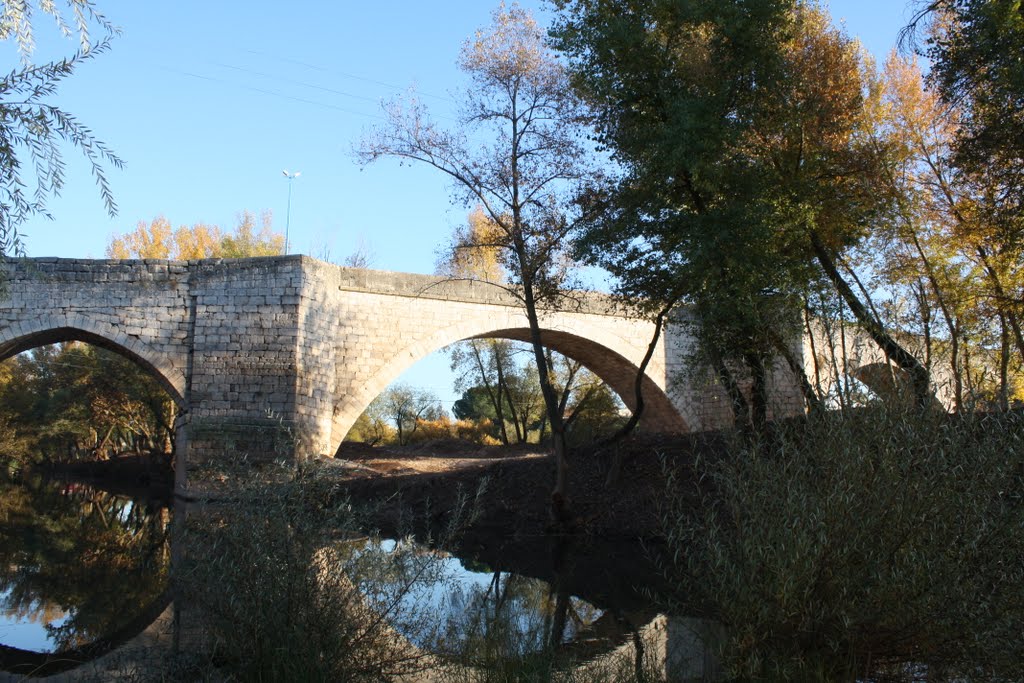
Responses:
[159,240]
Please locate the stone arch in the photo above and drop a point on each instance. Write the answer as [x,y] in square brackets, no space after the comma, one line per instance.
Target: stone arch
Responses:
[597,351]
[58,328]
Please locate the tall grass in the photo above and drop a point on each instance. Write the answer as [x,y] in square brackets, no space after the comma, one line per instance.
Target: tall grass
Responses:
[878,545]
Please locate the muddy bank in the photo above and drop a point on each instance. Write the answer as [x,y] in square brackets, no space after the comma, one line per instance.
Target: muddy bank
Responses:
[614,493]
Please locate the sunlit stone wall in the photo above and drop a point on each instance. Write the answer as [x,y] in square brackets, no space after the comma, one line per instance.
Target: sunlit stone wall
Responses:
[139,308]
[278,356]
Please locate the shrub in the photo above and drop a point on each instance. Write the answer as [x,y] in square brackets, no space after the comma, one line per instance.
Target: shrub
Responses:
[876,546]
[478,431]
[432,430]
[371,430]
[287,587]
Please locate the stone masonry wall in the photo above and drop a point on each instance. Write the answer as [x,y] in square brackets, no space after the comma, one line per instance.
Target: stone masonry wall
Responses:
[278,356]
[382,323]
[137,307]
[244,356]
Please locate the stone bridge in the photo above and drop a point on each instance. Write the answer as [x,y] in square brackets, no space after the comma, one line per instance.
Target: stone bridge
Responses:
[299,347]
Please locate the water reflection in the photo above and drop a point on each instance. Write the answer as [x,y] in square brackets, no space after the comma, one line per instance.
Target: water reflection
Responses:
[484,612]
[77,564]
[83,570]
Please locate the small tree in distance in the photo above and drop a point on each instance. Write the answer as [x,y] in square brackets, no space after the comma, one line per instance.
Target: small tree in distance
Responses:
[406,407]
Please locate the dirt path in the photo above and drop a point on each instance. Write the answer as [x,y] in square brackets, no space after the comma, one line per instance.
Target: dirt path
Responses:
[402,462]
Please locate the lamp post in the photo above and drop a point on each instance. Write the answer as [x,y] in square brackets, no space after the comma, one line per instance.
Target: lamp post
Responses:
[288,214]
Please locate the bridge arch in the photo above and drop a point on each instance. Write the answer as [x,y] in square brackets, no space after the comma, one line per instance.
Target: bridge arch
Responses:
[600,351]
[58,328]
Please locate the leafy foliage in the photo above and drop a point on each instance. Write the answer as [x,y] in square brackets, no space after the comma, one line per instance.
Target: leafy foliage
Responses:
[406,408]
[974,48]
[32,127]
[16,21]
[157,239]
[74,401]
[747,168]
[499,386]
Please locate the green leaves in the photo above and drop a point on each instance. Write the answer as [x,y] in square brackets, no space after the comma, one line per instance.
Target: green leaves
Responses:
[32,128]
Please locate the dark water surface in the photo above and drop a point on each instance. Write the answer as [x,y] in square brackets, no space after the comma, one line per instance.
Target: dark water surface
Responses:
[80,566]
[77,564]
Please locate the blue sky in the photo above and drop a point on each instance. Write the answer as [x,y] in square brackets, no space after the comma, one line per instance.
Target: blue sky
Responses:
[207,102]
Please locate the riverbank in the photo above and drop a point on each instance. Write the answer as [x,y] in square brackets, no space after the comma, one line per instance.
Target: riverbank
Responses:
[614,493]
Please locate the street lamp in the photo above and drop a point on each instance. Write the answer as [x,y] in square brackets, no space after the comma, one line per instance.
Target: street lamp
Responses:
[288,215]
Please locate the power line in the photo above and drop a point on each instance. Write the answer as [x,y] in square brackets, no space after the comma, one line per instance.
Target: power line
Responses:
[345,74]
[313,86]
[271,93]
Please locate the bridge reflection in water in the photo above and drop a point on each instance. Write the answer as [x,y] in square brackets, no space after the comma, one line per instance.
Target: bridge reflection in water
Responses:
[85,592]
[82,571]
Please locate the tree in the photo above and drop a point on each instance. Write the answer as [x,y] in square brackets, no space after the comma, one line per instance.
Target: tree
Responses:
[488,364]
[157,239]
[974,47]
[475,252]
[406,406]
[79,400]
[484,362]
[245,241]
[32,127]
[371,426]
[747,169]
[517,154]
[361,257]
[942,247]
[474,404]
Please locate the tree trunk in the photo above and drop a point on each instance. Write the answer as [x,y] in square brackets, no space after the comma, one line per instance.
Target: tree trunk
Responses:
[638,382]
[559,499]
[920,380]
[951,325]
[1001,299]
[740,409]
[1004,364]
[758,391]
[817,390]
[811,398]
[514,415]
[496,400]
